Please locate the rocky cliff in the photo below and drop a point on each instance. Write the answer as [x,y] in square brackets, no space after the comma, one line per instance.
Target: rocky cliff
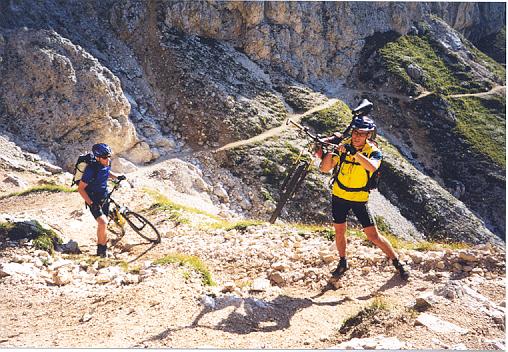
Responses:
[173,79]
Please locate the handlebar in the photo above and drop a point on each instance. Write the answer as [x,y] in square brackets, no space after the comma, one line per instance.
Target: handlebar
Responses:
[305,129]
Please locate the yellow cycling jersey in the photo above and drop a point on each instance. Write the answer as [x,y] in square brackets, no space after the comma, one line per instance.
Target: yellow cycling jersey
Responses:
[352,175]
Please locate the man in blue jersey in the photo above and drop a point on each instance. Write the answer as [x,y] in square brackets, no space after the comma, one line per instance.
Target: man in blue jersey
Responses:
[93,187]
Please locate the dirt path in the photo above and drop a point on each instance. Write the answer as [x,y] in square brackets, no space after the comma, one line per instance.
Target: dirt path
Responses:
[277,130]
[494,90]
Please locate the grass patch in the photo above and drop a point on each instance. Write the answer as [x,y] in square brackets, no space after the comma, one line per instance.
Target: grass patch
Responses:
[439,75]
[482,121]
[423,246]
[42,188]
[5,228]
[46,239]
[241,225]
[192,262]
[319,230]
[176,211]
[329,120]
[377,305]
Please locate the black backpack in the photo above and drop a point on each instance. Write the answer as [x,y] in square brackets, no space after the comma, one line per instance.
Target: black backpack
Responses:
[81,164]
[374,179]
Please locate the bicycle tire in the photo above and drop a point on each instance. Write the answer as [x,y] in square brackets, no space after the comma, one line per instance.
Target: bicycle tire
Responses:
[294,182]
[138,223]
[287,178]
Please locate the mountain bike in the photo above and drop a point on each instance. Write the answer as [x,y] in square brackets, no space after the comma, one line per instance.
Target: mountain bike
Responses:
[121,215]
[298,170]
[303,163]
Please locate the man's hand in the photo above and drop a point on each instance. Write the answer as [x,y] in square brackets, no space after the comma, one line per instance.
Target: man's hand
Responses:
[318,151]
[350,149]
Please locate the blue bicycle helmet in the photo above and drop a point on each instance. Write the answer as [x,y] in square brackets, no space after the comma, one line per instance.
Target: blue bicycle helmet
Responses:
[363,123]
[101,150]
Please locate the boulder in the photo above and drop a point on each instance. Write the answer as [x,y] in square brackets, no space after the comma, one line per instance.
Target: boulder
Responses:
[58,96]
[438,325]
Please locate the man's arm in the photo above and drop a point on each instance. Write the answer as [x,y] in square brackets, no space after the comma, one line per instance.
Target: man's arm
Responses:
[115,176]
[327,163]
[81,190]
[370,165]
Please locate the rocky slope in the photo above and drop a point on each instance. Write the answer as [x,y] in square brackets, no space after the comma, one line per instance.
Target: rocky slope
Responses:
[272,283]
[453,131]
[159,86]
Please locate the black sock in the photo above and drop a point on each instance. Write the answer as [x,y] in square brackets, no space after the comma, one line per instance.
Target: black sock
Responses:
[343,261]
[396,262]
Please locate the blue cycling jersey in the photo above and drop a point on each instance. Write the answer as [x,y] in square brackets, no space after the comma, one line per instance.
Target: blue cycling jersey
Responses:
[96,178]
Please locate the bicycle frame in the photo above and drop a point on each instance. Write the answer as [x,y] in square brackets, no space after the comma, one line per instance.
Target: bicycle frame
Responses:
[122,215]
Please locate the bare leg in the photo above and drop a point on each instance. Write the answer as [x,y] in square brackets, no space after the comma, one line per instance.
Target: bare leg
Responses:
[102,221]
[340,238]
[379,240]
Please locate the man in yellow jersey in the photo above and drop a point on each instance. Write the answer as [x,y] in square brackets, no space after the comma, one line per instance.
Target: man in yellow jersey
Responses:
[357,159]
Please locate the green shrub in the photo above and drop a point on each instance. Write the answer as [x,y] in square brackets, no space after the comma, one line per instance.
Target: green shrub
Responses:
[377,304]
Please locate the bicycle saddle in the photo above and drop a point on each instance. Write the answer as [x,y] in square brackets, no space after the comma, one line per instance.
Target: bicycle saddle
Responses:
[363,108]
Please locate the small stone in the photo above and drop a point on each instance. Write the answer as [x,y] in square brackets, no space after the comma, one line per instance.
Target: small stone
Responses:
[328,258]
[260,284]
[467,268]
[86,317]
[440,265]
[62,277]
[278,279]
[280,266]
[467,257]
[103,278]
[229,286]
[208,302]
[459,347]
[425,301]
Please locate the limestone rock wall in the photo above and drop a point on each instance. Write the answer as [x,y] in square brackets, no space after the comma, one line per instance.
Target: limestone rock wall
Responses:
[318,40]
[60,98]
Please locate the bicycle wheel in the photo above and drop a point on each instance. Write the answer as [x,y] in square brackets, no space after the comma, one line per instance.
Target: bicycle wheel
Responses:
[294,182]
[142,227]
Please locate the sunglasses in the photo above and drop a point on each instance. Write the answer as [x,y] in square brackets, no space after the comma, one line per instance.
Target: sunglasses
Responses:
[105,157]
[361,134]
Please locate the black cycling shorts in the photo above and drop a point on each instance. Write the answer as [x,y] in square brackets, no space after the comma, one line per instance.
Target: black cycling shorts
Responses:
[97,211]
[340,208]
